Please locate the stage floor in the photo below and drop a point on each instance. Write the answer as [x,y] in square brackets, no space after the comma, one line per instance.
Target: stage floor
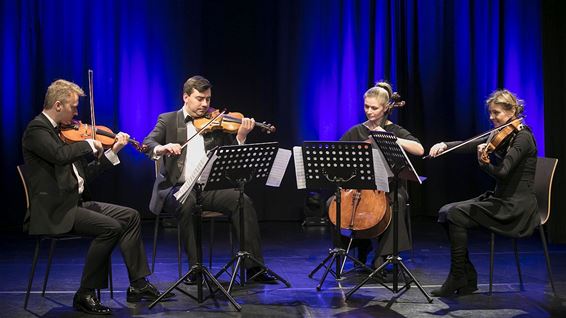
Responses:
[293,251]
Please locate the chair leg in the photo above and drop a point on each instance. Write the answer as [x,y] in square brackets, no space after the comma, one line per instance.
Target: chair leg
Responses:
[110,278]
[154,252]
[491,254]
[179,266]
[32,271]
[516,250]
[48,269]
[547,258]
[211,243]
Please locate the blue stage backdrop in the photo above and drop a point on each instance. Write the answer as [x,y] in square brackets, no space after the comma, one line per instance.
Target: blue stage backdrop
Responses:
[301,64]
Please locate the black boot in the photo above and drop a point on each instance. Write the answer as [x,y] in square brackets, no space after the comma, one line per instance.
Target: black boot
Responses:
[471,277]
[456,279]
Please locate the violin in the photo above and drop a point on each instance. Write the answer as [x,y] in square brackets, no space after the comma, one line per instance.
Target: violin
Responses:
[77,131]
[498,138]
[365,211]
[227,122]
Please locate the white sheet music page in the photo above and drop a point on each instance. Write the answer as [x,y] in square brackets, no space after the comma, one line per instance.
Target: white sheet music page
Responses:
[410,174]
[299,167]
[279,166]
[183,193]
[382,171]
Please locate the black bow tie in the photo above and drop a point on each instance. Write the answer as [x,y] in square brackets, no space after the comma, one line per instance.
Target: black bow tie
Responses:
[188,119]
[57,129]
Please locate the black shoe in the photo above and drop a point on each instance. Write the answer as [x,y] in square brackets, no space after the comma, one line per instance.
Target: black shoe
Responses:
[257,274]
[88,303]
[148,292]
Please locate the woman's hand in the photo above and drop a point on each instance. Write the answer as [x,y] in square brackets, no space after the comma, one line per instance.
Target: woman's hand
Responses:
[437,149]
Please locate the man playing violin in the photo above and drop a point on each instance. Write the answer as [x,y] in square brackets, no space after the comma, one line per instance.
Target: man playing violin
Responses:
[59,204]
[378,103]
[164,143]
[510,209]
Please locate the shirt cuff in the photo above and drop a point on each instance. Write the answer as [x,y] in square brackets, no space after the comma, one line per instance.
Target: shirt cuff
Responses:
[112,157]
[91,143]
[154,156]
[240,143]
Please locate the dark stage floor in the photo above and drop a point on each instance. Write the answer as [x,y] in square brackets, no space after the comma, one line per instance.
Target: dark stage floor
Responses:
[292,252]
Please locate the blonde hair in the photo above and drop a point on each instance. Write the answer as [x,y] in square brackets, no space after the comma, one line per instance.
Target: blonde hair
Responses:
[507,100]
[60,90]
[381,91]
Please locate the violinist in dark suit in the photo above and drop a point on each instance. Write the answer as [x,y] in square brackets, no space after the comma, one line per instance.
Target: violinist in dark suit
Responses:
[510,209]
[59,176]
[164,142]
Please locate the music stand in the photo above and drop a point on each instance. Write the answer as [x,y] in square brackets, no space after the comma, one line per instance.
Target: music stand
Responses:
[199,270]
[235,167]
[401,168]
[336,165]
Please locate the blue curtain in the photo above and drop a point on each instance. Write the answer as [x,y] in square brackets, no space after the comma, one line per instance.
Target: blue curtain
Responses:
[302,65]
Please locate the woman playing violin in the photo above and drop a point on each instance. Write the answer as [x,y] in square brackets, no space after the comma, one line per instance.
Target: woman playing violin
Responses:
[378,103]
[510,209]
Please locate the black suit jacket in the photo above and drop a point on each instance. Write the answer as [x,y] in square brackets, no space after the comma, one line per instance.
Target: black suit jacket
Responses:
[171,128]
[53,188]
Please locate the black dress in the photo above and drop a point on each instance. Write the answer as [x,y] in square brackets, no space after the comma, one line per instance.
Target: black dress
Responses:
[385,241]
[511,208]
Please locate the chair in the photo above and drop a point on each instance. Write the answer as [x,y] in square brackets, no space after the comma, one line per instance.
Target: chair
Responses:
[543,189]
[210,216]
[24,176]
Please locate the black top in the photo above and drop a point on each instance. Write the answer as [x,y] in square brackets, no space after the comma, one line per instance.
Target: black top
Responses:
[361,133]
[511,208]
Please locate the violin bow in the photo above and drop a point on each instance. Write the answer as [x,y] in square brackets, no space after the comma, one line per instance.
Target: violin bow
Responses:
[473,139]
[91,98]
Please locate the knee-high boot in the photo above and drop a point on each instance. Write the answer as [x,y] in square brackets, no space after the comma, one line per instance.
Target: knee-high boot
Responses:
[456,279]
[471,277]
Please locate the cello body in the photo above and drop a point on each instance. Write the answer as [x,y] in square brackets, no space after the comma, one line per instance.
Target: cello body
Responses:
[364,212]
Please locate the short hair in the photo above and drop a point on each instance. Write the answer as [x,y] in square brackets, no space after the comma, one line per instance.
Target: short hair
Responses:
[507,100]
[61,90]
[198,83]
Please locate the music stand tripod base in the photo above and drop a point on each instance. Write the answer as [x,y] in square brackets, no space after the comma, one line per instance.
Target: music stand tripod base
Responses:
[399,165]
[201,272]
[337,165]
[234,167]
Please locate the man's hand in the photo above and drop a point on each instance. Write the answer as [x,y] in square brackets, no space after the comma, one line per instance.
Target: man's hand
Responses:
[121,140]
[168,149]
[98,146]
[247,125]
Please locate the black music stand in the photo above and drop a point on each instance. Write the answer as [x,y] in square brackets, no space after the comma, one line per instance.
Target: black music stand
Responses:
[337,165]
[201,272]
[401,168]
[235,167]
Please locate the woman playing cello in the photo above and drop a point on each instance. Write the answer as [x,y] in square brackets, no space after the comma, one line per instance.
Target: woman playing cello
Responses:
[509,155]
[378,103]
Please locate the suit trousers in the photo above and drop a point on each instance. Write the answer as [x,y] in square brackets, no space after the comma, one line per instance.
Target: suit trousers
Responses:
[109,224]
[224,201]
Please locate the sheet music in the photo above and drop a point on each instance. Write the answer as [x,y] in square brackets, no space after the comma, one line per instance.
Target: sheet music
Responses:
[206,170]
[299,167]
[412,173]
[279,166]
[183,193]
[381,170]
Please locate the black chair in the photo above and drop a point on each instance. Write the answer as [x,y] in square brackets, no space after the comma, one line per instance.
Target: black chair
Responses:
[210,216]
[24,176]
[543,189]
